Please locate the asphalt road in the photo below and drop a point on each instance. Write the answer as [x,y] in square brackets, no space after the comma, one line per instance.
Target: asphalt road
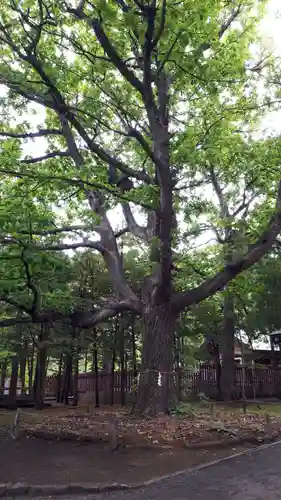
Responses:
[253,476]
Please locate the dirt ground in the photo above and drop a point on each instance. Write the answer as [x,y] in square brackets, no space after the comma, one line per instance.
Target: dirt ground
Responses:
[38,461]
[194,424]
[58,461]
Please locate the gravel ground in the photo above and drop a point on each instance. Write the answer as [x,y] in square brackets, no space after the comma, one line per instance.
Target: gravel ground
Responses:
[254,476]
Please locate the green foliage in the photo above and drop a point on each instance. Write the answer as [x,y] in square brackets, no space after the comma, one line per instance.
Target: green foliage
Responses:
[225,181]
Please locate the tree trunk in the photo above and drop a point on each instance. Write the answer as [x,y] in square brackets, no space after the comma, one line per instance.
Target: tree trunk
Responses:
[177,347]
[75,357]
[156,385]
[59,377]
[23,358]
[134,358]
[64,378]
[86,360]
[40,375]
[3,376]
[227,348]
[96,373]
[68,375]
[218,370]
[13,382]
[75,377]
[30,369]
[112,378]
[121,335]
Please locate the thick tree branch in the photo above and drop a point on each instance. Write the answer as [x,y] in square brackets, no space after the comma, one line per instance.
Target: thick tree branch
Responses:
[86,243]
[110,50]
[105,156]
[14,303]
[57,230]
[75,182]
[245,203]
[90,319]
[161,25]
[108,244]
[56,102]
[30,135]
[47,156]
[46,317]
[255,252]
[30,283]
[224,27]
[147,149]
[234,14]
[133,226]
[79,319]
[224,212]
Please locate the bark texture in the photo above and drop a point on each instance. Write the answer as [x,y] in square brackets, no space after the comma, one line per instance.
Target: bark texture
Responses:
[156,382]
[227,349]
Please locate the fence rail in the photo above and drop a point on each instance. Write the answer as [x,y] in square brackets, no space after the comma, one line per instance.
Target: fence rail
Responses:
[257,382]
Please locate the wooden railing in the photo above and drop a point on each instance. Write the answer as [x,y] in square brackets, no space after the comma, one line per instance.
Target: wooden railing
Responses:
[258,382]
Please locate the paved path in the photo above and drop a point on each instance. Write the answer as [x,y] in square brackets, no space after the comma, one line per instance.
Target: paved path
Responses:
[255,476]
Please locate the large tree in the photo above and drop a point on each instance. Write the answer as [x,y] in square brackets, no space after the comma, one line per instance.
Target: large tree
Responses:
[130,91]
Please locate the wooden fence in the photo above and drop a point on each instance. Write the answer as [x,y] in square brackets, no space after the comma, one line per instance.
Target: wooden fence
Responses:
[258,382]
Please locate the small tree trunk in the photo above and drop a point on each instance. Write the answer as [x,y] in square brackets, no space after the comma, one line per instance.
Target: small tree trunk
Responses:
[23,357]
[62,395]
[75,357]
[59,379]
[30,369]
[86,360]
[113,361]
[3,376]
[156,385]
[122,360]
[75,379]
[40,376]
[13,382]
[178,365]
[134,358]
[227,348]
[68,373]
[96,374]
[218,370]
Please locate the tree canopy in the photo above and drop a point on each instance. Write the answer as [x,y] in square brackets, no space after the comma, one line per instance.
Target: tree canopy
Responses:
[151,107]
